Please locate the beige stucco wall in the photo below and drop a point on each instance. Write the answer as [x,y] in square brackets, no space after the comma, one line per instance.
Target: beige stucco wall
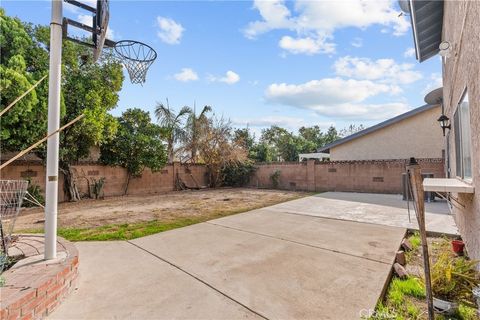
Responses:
[418,136]
[461,27]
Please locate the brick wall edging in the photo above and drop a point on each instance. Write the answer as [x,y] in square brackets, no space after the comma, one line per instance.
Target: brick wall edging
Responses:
[372,176]
[34,291]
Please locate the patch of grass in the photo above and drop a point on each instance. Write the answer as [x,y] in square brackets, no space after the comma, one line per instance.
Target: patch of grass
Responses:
[127,231]
[415,240]
[411,286]
[399,288]
[124,231]
[452,279]
[413,311]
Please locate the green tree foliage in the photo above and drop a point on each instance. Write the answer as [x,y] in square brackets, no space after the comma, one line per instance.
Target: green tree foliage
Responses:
[87,88]
[331,136]
[351,129]
[313,135]
[285,144]
[173,124]
[246,139]
[279,144]
[137,145]
[22,64]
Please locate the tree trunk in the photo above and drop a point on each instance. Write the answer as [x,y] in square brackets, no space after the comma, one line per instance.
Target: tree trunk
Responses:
[170,151]
[69,185]
[193,157]
[126,185]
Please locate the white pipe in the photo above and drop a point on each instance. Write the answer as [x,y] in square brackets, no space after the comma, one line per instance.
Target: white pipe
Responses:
[51,189]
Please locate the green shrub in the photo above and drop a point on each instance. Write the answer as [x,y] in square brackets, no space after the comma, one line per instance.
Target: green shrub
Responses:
[36,192]
[453,278]
[275,178]
[466,313]
[97,187]
[237,174]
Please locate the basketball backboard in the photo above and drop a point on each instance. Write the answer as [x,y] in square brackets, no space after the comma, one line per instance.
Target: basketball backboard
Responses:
[98,28]
[100,23]
[136,56]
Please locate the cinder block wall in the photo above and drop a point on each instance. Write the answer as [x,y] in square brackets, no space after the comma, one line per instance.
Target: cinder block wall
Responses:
[462,71]
[115,177]
[380,176]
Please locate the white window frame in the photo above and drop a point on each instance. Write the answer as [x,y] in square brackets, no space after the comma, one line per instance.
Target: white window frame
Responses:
[463,139]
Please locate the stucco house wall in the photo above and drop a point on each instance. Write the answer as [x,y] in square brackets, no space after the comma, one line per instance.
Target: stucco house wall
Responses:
[461,27]
[417,136]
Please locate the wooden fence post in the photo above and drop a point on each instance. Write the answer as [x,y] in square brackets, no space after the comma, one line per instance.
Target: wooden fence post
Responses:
[416,181]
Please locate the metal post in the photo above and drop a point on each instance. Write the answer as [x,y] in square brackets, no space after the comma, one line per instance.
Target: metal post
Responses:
[51,189]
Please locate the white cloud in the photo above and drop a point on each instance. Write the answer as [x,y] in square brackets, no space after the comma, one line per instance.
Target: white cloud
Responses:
[87,20]
[185,75]
[336,97]
[306,45]
[170,31]
[275,16]
[320,19]
[357,42]
[74,9]
[384,70]
[410,52]
[436,81]
[326,91]
[229,78]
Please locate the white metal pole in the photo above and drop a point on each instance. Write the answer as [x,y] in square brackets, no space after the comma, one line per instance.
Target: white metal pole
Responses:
[51,189]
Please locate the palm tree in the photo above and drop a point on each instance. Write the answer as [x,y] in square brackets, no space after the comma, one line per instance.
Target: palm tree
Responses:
[194,127]
[172,124]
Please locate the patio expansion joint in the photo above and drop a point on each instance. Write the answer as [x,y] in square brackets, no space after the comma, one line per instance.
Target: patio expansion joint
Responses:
[299,243]
[199,280]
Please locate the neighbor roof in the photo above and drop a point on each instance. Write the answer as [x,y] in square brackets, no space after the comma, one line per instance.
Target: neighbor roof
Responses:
[427,23]
[376,127]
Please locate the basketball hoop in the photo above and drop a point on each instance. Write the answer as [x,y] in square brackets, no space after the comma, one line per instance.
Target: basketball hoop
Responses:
[12,193]
[137,57]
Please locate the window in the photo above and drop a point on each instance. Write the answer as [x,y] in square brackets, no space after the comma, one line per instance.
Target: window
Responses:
[463,152]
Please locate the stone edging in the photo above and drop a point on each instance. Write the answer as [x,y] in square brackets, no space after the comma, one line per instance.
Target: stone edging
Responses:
[34,287]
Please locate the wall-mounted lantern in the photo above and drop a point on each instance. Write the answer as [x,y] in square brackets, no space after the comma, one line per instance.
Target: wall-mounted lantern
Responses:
[444,122]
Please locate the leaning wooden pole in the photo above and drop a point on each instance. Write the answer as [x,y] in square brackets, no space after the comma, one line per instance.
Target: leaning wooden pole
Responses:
[36,144]
[21,96]
[416,182]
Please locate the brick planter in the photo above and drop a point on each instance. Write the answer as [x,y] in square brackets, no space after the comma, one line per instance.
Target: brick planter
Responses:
[34,287]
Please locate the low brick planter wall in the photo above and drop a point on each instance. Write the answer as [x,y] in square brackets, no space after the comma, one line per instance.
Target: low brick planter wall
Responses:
[34,287]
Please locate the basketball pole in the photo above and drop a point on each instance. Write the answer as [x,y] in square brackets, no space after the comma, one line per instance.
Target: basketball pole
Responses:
[51,189]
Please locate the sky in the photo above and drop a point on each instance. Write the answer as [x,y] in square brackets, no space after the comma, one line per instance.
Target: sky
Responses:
[260,63]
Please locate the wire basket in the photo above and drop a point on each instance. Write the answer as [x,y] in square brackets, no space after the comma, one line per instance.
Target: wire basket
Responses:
[12,193]
[137,57]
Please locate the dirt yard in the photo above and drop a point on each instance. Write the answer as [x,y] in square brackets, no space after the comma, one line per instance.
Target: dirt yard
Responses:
[164,207]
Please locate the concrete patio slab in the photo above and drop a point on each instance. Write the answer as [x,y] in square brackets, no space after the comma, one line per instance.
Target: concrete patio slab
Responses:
[119,281]
[383,209]
[347,237]
[280,262]
[279,279]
